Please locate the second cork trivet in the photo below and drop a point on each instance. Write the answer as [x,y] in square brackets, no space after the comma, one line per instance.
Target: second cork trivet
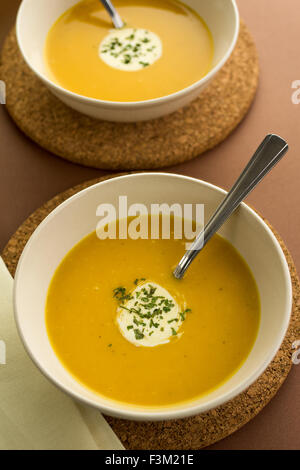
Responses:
[154,144]
[205,429]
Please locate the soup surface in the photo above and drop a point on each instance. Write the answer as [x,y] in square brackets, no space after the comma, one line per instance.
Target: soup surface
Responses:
[167,48]
[216,326]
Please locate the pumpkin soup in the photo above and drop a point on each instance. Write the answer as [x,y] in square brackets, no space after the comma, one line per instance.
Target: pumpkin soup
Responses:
[164,47]
[127,329]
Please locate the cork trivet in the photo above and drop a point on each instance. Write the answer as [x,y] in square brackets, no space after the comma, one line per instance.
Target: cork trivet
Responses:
[154,144]
[205,429]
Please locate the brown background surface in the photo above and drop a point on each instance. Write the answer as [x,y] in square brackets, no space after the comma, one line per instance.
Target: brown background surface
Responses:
[29,176]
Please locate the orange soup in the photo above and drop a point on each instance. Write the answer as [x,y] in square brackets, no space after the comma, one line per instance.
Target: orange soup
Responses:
[124,337]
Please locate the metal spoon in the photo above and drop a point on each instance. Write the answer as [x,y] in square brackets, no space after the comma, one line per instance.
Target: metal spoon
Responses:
[270,151]
[116,19]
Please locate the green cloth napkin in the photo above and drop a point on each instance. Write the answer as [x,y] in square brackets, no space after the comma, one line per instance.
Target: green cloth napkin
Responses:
[34,414]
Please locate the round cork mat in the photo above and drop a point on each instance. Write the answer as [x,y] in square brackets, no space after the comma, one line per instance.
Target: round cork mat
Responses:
[167,141]
[205,429]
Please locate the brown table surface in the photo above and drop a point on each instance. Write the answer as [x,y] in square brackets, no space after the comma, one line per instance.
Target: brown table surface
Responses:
[29,176]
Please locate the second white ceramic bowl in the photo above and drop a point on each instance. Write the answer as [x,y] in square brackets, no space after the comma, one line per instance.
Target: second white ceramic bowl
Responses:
[76,218]
[35,18]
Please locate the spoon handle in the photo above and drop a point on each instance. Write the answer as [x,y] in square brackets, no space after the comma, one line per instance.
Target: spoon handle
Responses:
[116,19]
[268,154]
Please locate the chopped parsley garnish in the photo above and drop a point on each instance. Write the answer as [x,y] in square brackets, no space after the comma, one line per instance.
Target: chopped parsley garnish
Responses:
[138,334]
[183,314]
[148,309]
[121,294]
[132,50]
[127,59]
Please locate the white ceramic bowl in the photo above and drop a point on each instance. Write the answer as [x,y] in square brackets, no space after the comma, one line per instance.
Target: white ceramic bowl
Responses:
[76,218]
[36,17]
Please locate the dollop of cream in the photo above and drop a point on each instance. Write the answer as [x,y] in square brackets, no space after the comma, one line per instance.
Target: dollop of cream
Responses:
[130,49]
[150,316]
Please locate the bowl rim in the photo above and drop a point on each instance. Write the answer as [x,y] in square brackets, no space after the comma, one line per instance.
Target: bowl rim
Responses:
[132,412]
[129,104]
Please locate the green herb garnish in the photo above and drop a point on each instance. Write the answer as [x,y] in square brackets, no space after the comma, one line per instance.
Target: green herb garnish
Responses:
[138,334]
[121,294]
[148,309]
